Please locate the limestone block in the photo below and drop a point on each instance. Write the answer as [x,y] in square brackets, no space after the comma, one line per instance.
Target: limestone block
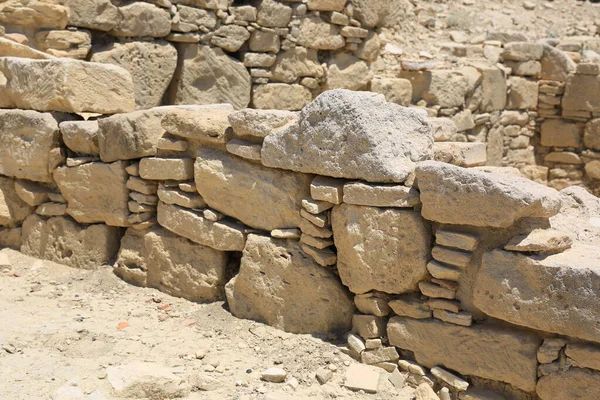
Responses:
[27,143]
[280,96]
[65,85]
[369,49]
[576,383]
[318,34]
[326,189]
[362,377]
[31,193]
[352,135]
[488,351]
[592,169]
[326,5]
[95,192]
[540,241]
[273,14]
[181,198]
[207,126]
[560,133]
[279,285]
[548,293]
[372,304]
[591,136]
[224,235]
[142,186]
[493,85]
[461,196]
[525,68]
[522,51]
[395,90]
[33,14]
[368,326]
[151,65]
[208,4]
[458,240]
[461,154]
[10,238]
[366,194]
[157,168]
[81,136]
[62,240]
[172,264]
[260,123]
[410,305]
[264,41]
[99,15]
[230,37]
[447,88]
[444,129]
[10,48]
[295,63]
[260,197]
[208,76]
[380,249]
[13,210]
[142,19]
[345,71]
[65,43]
[582,93]
[380,13]
[197,17]
[556,64]
[523,94]
[260,60]
[51,209]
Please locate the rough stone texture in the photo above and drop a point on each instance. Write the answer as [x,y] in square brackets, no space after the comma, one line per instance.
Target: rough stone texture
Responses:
[584,355]
[345,71]
[280,96]
[582,93]
[103,201]
[550,293]
[318,34]
[27,141]
[523,94]
[100,15]
[81,136]
[352,135]
[395,90]
[378,13]
[230,37]
[69,44]
[574,384]
[137,379]
[260,197]
[13,210]
[209,76]
[559,133]
[591,136]
[142,19]
[172,264]
[461,154]
[65,85]
[62,240]
[207,126]
[578,215]
[455,195]
[33,14]
[540,241]
[260,123]
[10,238]
[160,169]
[446,88]
[223,235]
[281,286]
[380,195]
[556,64]
[151,65]
[380,249]
[31,193]
[10,48]
[296,63]
[483,350]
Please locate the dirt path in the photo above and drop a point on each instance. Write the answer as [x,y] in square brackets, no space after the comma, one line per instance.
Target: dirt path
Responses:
[59,335]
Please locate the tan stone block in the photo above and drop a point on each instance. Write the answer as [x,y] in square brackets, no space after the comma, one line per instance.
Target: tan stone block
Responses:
[156,168]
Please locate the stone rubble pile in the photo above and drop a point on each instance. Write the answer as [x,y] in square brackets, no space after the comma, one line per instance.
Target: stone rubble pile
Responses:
[333,220]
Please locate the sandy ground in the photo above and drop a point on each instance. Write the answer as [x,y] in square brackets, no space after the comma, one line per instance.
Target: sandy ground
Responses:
[59,327]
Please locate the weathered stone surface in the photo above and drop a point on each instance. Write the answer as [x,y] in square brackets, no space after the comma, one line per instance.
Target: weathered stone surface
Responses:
[377,13]
[181,198]
[591,136]
[550,293]
[31,193]
[362,377]
[352,135]
[142,19]
[157,168]
[576,383]
[493,86]
[103,201]
[81,136]
[208,76]
[522,51]
[280,96]
[380,249]
[326,5]
[65,43]
[296,63]
[51,209]
[279,285]
[456,195]
[62,240]
[224,235]
[100,15]
[230,37]
[27,141]
[461,154]
[151,65]
[488,351]
[446,88]
[33,14]
[395,90]
[65,85]
[459,240]
[11,238]
[556,64]
[273,14]
[264,41]
[137,379]
[366,194]
[560,133]
[208,126]
[540,241]
[260,197]
[260,123]
[411,306]
[523,94]
[584,355]
[345,71]
[326,189]
[373,304]
[13,210]
[318,34]
[582,93]
[172,264]
[10,48]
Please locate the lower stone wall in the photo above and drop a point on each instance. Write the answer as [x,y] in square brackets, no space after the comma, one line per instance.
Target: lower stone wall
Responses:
[463,280]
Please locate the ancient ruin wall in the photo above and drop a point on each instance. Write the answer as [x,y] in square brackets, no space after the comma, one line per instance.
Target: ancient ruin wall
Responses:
[330,220]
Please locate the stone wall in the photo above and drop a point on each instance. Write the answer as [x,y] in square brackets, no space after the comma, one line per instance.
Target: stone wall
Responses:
[451,276]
